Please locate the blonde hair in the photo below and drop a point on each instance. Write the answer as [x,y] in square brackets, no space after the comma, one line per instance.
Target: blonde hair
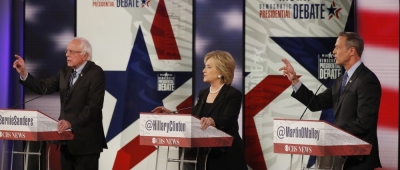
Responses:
[225,64]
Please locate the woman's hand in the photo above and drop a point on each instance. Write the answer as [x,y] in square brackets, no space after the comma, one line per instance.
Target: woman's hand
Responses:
[205,122]
[161,109]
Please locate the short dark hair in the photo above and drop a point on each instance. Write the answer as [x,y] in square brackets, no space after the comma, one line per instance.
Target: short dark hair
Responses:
[354,40]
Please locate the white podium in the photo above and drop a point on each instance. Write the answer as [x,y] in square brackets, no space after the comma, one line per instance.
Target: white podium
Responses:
[316,138]
[179,130]
[29,125]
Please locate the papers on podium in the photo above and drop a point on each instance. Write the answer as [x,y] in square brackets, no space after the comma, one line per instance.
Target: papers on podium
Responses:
[181,130]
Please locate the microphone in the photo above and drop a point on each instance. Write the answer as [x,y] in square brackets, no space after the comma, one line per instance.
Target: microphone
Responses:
[176,111]
[313,97]
[45,91]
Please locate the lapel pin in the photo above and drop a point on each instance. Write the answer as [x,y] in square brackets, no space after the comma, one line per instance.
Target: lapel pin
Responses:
[350,81]
[82,75]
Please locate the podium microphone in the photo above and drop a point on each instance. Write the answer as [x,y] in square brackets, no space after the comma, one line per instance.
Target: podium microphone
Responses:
[313,97]
[176,111]
[45,91]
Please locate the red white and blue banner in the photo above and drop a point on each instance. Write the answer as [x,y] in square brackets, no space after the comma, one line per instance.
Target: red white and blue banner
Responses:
[145,49]
[378,24]
[305,32]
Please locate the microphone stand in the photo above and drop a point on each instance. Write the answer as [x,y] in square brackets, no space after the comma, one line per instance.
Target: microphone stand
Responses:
[26,147]
[176,111]
[302,156]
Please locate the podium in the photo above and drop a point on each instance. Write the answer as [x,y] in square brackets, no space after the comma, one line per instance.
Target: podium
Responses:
[179,130]
[29,125]
[316,138]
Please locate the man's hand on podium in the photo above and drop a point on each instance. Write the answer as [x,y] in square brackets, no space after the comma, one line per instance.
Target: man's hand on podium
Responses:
[63,125]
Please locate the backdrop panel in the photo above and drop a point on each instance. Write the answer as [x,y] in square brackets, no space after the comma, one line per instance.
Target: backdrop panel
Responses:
[304,32]
[145,48]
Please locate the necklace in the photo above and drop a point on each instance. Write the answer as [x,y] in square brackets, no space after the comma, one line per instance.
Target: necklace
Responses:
[217,90]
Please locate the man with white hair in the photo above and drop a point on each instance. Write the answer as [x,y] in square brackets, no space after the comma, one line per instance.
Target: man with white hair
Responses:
[81,84]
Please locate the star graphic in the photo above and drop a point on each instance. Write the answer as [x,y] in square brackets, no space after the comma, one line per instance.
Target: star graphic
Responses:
[268,89]
[136,88]
[333,10]
[145,2]
[330,55]
[315,46]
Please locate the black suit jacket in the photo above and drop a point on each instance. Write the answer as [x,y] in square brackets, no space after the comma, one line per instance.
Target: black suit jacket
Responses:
[84,107]
[225,111]
[356,111]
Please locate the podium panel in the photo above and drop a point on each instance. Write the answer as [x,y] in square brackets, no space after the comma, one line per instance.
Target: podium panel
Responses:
[330,144]
[317,138]
[30,125]
[181,130]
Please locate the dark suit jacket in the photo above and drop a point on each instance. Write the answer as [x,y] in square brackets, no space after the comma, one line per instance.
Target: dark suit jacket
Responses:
[84,107]
[355,112]
[225,111]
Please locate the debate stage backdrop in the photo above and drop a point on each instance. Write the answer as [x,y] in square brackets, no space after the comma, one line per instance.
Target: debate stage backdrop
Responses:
[305,33]
[146,51]
[152,54]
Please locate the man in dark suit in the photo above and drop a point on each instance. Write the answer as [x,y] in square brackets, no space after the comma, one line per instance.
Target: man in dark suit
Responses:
[81,85]
[354,96]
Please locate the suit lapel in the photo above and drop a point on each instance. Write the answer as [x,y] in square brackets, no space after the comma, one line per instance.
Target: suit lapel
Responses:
[200,104]
[220,97]
[348,85]
[80,76]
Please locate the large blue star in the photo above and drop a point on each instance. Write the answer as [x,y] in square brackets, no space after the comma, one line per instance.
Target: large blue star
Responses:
[136,88]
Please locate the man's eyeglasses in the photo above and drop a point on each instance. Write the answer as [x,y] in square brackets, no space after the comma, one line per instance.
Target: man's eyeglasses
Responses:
[72,51]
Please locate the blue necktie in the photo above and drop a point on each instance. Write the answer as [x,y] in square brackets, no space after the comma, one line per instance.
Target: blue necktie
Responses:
[344,80]
[70,83]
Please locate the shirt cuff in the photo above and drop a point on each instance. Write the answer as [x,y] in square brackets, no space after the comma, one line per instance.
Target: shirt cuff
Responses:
[23,79]
[297,86]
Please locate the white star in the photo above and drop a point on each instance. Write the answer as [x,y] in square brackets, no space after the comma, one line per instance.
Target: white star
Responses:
[330,55]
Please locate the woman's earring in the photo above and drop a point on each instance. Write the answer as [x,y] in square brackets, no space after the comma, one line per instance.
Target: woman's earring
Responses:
[219,76]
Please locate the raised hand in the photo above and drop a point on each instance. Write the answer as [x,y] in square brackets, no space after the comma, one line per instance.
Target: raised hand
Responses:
[289,72]
[19,65]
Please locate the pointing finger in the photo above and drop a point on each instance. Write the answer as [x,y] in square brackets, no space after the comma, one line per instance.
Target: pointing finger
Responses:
[17,57]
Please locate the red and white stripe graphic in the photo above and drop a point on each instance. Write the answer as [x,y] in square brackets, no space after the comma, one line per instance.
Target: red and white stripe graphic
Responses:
[378,24]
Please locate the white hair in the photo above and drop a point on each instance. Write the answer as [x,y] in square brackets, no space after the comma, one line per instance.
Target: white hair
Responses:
[85,46]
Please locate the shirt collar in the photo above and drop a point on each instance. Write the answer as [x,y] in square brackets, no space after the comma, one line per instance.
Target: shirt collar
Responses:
[80,68]
[353,68]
